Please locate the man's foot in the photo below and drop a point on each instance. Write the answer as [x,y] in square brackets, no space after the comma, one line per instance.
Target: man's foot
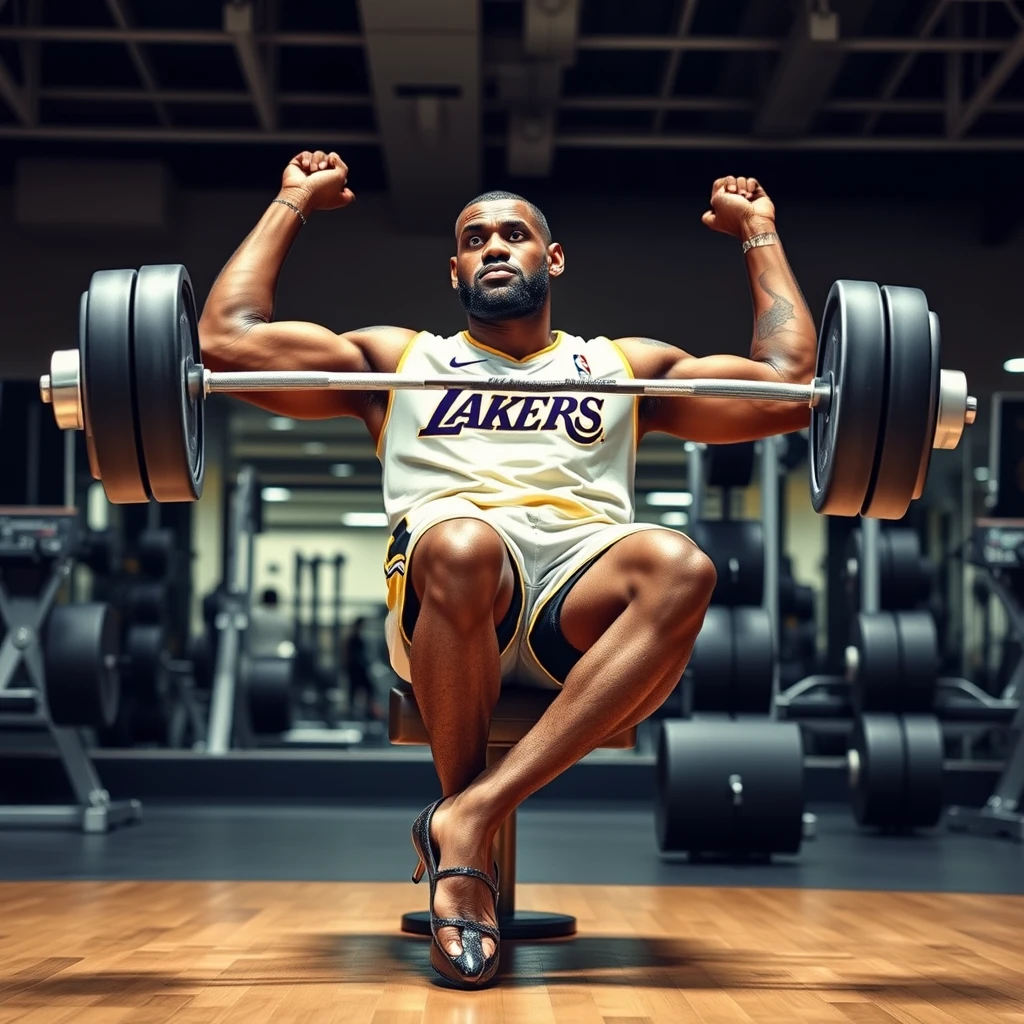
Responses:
[462,842]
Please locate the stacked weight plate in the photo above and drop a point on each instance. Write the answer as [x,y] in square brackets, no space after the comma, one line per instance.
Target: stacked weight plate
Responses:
[730,779]
[896,749]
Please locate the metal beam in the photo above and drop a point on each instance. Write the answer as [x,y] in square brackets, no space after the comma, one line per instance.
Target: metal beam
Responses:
[143,66]
[989,88]
[724,44]
[807,69]
[239,24]
[424,62]
[533,86]
[686,16]
[164,36]
[926,25]
[754,44]
[564,140]
[706,104]
[204,97]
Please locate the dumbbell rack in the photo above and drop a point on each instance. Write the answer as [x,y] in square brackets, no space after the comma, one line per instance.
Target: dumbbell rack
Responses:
[44,538]
[998,547]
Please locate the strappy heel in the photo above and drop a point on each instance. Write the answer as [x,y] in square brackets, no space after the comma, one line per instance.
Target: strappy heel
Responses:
[470,969]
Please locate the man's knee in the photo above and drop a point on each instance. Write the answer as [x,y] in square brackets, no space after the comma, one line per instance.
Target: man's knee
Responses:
[460,566]
[681,577]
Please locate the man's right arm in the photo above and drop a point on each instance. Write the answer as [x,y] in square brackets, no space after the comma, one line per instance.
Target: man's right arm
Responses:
[238,333]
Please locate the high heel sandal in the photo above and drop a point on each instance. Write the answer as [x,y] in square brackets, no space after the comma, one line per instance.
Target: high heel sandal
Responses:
[470,969]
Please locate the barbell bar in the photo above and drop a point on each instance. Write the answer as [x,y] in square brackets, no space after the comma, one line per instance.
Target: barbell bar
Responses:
[879,401]
[61,388]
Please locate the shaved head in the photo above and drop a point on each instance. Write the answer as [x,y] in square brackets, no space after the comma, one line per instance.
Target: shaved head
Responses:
[535,211]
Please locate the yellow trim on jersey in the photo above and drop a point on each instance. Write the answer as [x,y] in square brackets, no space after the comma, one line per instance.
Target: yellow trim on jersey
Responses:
[391,395]
[575,509]
[636,398]
[504,355]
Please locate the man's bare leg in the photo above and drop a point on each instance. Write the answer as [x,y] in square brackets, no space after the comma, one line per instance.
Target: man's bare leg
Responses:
[462,576]
[636,613]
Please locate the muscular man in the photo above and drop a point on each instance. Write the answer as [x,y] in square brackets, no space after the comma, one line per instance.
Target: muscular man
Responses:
[513,548]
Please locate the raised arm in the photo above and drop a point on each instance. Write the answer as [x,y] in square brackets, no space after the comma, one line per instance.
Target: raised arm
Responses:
[784,341]
[237,330]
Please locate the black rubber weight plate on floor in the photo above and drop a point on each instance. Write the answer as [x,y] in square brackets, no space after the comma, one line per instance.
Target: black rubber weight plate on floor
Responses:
[166,349]
[908,401]
[109,389]
[922,737]
[877,789]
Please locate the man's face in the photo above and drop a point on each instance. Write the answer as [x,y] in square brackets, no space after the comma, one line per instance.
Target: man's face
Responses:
[503,262]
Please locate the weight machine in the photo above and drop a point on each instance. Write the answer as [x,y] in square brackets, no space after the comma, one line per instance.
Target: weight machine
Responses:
[59,663]
[997,549]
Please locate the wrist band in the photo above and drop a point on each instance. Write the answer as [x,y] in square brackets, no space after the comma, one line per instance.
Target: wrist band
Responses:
[284,202]
[765,238]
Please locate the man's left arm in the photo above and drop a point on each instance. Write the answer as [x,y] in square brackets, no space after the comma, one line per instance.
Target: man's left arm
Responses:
[784,341]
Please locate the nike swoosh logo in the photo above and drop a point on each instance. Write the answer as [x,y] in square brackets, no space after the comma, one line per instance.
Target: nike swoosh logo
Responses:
[455,364]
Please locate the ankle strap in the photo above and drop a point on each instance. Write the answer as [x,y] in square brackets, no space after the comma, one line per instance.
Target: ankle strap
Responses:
[470,873]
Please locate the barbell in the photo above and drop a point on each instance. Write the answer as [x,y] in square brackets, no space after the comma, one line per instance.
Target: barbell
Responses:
[880,401]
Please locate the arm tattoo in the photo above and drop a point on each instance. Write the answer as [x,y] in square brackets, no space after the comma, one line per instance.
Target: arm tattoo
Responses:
[771,321]
[654,343]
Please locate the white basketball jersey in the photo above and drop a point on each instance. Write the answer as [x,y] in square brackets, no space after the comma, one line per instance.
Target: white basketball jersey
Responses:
[573,450]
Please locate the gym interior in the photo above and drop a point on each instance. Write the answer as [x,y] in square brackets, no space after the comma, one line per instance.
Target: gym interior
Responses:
[209,767]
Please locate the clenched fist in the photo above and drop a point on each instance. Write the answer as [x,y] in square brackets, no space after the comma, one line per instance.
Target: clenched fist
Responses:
[739,207]
[319,178]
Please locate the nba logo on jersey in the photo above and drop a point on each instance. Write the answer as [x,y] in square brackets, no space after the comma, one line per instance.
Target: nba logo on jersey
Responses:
[582,366]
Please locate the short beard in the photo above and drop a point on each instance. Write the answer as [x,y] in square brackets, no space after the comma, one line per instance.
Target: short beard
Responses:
[521,297]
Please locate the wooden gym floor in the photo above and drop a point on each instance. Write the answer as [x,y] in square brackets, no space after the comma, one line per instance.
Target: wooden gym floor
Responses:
[319,952]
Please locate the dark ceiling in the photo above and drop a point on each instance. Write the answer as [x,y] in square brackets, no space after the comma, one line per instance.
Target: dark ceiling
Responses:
[922,96]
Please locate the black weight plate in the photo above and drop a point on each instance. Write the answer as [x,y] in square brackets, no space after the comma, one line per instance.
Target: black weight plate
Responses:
[729,465]
[877,771]
[919,660]
[80,649]
[796,600]
[878,684]
[903,584]
[144,649]
[201,653]
[710,669]
[729,786]
[933,409]
[922,738]
[83,328]
[736,546]
[753,661]
[109,390]
[268,683]
[146,603]
[166,350]
[100,550]
[909,396]
[844,430]
[155,550]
